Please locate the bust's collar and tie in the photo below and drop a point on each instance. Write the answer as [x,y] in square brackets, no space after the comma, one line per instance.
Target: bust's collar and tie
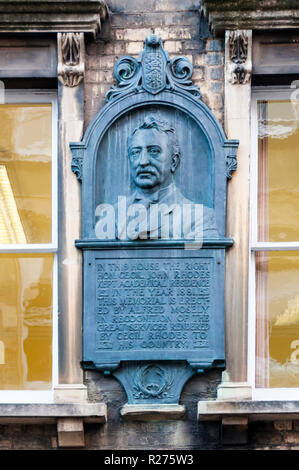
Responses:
[163,196]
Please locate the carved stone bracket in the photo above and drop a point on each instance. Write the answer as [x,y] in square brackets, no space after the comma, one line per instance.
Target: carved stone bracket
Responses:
[152,72]
[238,57]
[77,160]
[231,165]
[71,58]
[231,158]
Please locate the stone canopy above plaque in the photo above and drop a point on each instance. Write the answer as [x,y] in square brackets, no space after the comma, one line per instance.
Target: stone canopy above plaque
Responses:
[154,165]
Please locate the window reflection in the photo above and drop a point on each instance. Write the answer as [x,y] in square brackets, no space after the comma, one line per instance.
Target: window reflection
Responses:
[25,178]
[278,193]
[26,321]
[11,228]
[277,319]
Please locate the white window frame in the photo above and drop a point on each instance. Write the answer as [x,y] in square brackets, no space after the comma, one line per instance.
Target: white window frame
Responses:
[262,93]
[50,97]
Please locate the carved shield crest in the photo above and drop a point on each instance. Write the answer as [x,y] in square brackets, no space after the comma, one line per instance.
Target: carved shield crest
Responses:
[153,65]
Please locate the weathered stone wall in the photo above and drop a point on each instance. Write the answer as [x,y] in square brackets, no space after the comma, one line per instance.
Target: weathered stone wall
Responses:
[177,23]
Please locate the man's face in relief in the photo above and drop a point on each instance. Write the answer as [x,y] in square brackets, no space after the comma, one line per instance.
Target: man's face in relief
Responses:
[151,162]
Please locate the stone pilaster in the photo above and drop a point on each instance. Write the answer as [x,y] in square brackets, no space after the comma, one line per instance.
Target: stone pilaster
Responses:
[71,60]
[238,64]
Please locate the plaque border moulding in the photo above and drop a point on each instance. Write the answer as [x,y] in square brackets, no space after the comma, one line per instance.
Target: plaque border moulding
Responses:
[152,377]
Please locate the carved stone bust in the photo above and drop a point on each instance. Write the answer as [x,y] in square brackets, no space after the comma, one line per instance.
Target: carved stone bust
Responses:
[157,208]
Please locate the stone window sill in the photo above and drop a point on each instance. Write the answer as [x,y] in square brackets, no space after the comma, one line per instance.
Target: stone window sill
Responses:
[253,410]
[50,413]
[69,418]
[234,417]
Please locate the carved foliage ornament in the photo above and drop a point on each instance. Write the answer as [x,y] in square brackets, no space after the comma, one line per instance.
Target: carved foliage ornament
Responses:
[152,72]
[238,55]
[70,58]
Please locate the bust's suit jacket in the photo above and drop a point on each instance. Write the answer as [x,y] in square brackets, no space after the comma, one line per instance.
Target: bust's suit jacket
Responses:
[166,202]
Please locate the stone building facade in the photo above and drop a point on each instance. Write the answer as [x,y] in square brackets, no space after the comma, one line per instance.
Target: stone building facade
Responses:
[86,407]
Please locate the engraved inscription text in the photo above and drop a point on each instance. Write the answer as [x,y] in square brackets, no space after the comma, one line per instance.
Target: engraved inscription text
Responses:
[153,304]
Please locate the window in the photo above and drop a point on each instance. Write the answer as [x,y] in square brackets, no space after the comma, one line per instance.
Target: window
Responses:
[274,253]
[28,246]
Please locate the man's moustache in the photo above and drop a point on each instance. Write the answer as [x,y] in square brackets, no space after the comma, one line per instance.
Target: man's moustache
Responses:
[152,172]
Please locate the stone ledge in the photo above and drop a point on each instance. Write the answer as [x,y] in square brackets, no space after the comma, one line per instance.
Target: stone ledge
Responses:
[152,412]
[50,413]
[52,16]
[244,14]
[254,410]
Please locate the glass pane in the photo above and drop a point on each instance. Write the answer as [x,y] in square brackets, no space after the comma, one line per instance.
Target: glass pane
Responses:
[277,299]
[278,191]
[26,321]
[25,173]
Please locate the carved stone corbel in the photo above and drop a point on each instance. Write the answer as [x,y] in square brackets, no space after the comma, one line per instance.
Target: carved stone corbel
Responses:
[239,60]
[71,57]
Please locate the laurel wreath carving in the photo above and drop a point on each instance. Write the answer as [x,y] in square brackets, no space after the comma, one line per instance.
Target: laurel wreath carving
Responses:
[143,389]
